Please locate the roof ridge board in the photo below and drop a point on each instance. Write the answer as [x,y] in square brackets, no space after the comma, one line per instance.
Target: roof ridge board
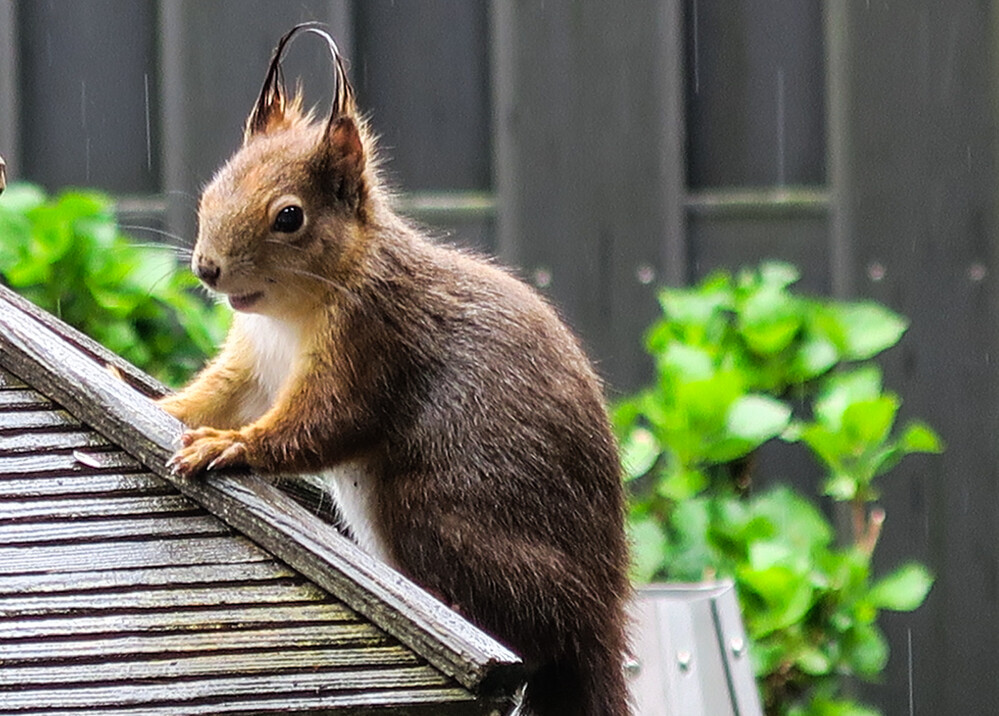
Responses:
[63,366]
[138,379]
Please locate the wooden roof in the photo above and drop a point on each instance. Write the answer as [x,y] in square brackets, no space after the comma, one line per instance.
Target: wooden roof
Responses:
[123,590]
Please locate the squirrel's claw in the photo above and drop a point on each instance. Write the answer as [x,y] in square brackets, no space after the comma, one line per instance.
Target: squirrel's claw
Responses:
[207,449]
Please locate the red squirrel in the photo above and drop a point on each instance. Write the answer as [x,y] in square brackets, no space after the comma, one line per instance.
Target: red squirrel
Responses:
[441,401]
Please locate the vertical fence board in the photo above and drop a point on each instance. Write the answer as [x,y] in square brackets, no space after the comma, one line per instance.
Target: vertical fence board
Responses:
[9,109]
[579,147]
[421,69]
[84,79]
[922,127]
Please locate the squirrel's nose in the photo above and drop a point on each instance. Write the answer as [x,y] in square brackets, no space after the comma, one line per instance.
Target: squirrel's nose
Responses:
[208,271]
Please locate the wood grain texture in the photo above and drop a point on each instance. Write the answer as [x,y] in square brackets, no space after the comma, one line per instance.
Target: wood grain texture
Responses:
[131,646]
[186,575]
[404,702]
[76,530]
[110,485]
[206,665]
[216,595]
[39,442]
[137,528]
[128,555]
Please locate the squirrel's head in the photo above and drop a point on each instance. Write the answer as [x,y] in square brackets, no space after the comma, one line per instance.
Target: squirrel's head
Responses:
[282,223]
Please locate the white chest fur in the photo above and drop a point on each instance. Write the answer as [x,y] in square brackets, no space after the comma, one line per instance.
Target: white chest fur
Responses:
[276,346]
[352,487]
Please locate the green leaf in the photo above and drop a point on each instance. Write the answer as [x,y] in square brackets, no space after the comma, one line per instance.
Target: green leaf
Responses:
[920,437]
[787,594]
[867,650]
[813,661]
[769,320]
[21,198]
[869,422]
[757,418]
[840,486]
[686,362]
[816,355]
[796,519]
[903,590]
[695,307]
[778,274]
[766,554]
[639,453]
[842,390]
[648,552]
[869,328]
[821,706]
[682,484]
[690,553]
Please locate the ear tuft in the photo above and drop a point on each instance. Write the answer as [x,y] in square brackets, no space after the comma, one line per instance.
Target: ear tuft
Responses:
[270,110]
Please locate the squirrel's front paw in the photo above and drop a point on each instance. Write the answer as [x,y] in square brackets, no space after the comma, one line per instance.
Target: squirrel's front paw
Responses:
[208,449]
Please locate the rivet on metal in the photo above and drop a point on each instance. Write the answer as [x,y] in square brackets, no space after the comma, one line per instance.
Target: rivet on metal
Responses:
[738,645]
[684,660]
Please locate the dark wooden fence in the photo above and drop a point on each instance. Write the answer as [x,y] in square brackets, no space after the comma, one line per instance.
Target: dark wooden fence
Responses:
[606,149]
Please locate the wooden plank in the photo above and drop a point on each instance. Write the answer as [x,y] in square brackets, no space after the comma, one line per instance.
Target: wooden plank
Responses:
[9,381]
[173,620]
[36,419]
[10,136]
[77,462]
[922,183]
[84,95]
[128,555]
[397,702]
[172,598]
[39,442]
[206,574]
[573,219]
[22,399]
[229,688]
[145,384]
[412,51]
[321,636]
[109,530]
[258,509]
[108,485]
[185,667]
[94,506]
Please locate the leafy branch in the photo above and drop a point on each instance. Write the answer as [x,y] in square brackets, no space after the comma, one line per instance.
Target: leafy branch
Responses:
[741,361]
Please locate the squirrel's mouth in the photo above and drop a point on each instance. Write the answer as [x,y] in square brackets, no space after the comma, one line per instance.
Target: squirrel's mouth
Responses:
[244,302]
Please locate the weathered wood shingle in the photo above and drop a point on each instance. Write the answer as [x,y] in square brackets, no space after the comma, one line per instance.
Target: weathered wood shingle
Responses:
[120,594]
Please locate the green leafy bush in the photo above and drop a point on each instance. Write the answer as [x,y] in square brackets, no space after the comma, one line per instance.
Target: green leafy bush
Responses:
[741,361]
[67,255]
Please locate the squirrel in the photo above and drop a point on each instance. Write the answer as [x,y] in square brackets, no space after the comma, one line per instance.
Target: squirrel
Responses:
[443,403]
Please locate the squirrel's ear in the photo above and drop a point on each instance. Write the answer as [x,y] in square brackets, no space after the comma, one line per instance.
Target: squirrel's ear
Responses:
[269,110]
[341,159]
[341,149]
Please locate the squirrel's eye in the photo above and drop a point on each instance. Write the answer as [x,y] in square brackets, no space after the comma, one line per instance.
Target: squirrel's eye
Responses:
[289,219]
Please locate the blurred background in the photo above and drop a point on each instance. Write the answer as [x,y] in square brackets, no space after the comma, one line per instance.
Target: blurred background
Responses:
[608,149]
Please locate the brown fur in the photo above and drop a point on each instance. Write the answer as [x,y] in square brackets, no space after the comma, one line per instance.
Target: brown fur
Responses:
[456,385]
